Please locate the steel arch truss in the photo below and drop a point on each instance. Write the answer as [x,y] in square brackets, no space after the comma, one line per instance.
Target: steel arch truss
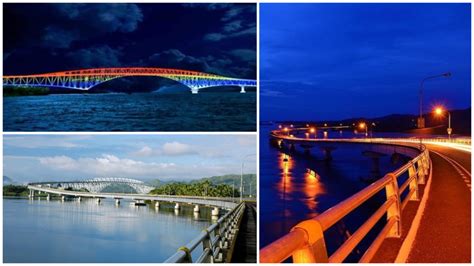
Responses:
[97,185]
[86,79]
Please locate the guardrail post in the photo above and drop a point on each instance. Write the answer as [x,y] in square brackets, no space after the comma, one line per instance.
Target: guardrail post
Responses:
[315,249]
[412,173]
[207,244]
[422,170]
[391,190]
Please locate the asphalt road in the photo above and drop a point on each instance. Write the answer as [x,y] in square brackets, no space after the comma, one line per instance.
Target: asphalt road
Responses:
[444,234]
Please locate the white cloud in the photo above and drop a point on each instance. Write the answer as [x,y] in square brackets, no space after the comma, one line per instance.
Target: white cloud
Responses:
[145,151]
[176,148]
[60,162]
[106,165]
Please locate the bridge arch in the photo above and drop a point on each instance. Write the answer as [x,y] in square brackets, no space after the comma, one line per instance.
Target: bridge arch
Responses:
[97,185]
[85,79]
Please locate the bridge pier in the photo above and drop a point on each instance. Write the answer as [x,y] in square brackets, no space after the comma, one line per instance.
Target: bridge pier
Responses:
[375,156]
[98,200]
[48,197]
[327,153]
[177,207]
[242,89]
[194,90]
[63,198]
[157,205]
[79,199]
[215,211]
[117,202]
[32,194]
[196,208]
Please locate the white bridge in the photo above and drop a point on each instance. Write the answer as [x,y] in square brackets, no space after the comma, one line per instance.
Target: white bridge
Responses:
[97,185]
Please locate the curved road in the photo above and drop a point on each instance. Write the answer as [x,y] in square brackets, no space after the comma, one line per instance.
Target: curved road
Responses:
[444,233]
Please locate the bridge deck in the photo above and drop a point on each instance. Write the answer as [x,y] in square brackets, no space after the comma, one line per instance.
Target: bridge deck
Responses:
[245,250]
[444,230]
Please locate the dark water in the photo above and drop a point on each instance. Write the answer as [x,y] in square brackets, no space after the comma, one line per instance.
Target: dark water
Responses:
[54,231]
[225,111]
[291,195]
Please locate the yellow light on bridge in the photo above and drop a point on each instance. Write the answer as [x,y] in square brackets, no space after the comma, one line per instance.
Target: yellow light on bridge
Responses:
[312,130]
[362,125]
[285,129]
[439,110]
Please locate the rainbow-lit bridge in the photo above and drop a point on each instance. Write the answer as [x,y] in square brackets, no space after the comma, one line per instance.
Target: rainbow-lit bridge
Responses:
[85,79]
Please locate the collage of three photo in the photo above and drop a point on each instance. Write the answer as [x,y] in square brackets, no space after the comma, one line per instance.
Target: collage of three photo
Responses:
[244,132]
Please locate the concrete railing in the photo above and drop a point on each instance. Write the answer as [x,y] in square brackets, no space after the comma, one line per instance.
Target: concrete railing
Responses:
[217,240]
[305,242]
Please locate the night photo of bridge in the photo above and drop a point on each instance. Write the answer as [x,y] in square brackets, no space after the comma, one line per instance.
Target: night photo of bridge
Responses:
[365,133]
[129,67]
[129,199]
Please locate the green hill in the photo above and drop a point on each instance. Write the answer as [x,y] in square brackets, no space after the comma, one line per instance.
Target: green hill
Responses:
[249,182]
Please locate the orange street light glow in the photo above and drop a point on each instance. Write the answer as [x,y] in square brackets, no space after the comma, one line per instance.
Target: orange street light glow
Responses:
[362,125]
[438,110]
[312,130]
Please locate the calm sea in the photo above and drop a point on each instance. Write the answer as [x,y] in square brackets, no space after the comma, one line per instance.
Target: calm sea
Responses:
[225,111]
[71,231]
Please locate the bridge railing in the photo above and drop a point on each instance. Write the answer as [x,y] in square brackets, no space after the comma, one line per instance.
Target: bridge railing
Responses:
[217,241]
[305,242]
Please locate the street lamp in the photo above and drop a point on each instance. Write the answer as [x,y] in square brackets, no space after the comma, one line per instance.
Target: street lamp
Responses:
[363,125]
[421,120]
[242,174]
[439,111]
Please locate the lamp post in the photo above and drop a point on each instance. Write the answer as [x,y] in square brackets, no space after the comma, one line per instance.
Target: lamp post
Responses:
[439,111]
[242,174]
[363,125]
[421,120]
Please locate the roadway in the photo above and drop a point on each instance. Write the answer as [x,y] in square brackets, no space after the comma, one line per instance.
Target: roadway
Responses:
[245,250]
[444,233]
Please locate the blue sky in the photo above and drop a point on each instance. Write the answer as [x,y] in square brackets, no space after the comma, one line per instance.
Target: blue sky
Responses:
[72,157]
[334,61]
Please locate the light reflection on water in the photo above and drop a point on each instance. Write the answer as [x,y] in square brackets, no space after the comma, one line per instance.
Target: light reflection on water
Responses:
[71,231]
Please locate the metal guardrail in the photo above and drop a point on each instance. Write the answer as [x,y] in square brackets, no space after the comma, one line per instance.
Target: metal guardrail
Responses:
[305,242]
[217,240]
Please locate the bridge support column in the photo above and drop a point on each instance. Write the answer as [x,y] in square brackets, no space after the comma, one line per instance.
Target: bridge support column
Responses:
[32,194]
[63,198]
[292,147]
[194,90]
[48,197]
[215,211]
[327,153]
[176,207]
[196,208]
[79,199]
[157,204]
[375,156]
[242,89]
[117,202]
[98,200]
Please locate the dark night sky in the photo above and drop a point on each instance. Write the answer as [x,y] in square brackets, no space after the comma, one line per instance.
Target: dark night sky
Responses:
[215,38]
[335,61]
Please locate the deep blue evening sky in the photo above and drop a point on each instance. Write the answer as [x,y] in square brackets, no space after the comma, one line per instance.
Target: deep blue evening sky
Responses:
[334,61]
[215,38]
